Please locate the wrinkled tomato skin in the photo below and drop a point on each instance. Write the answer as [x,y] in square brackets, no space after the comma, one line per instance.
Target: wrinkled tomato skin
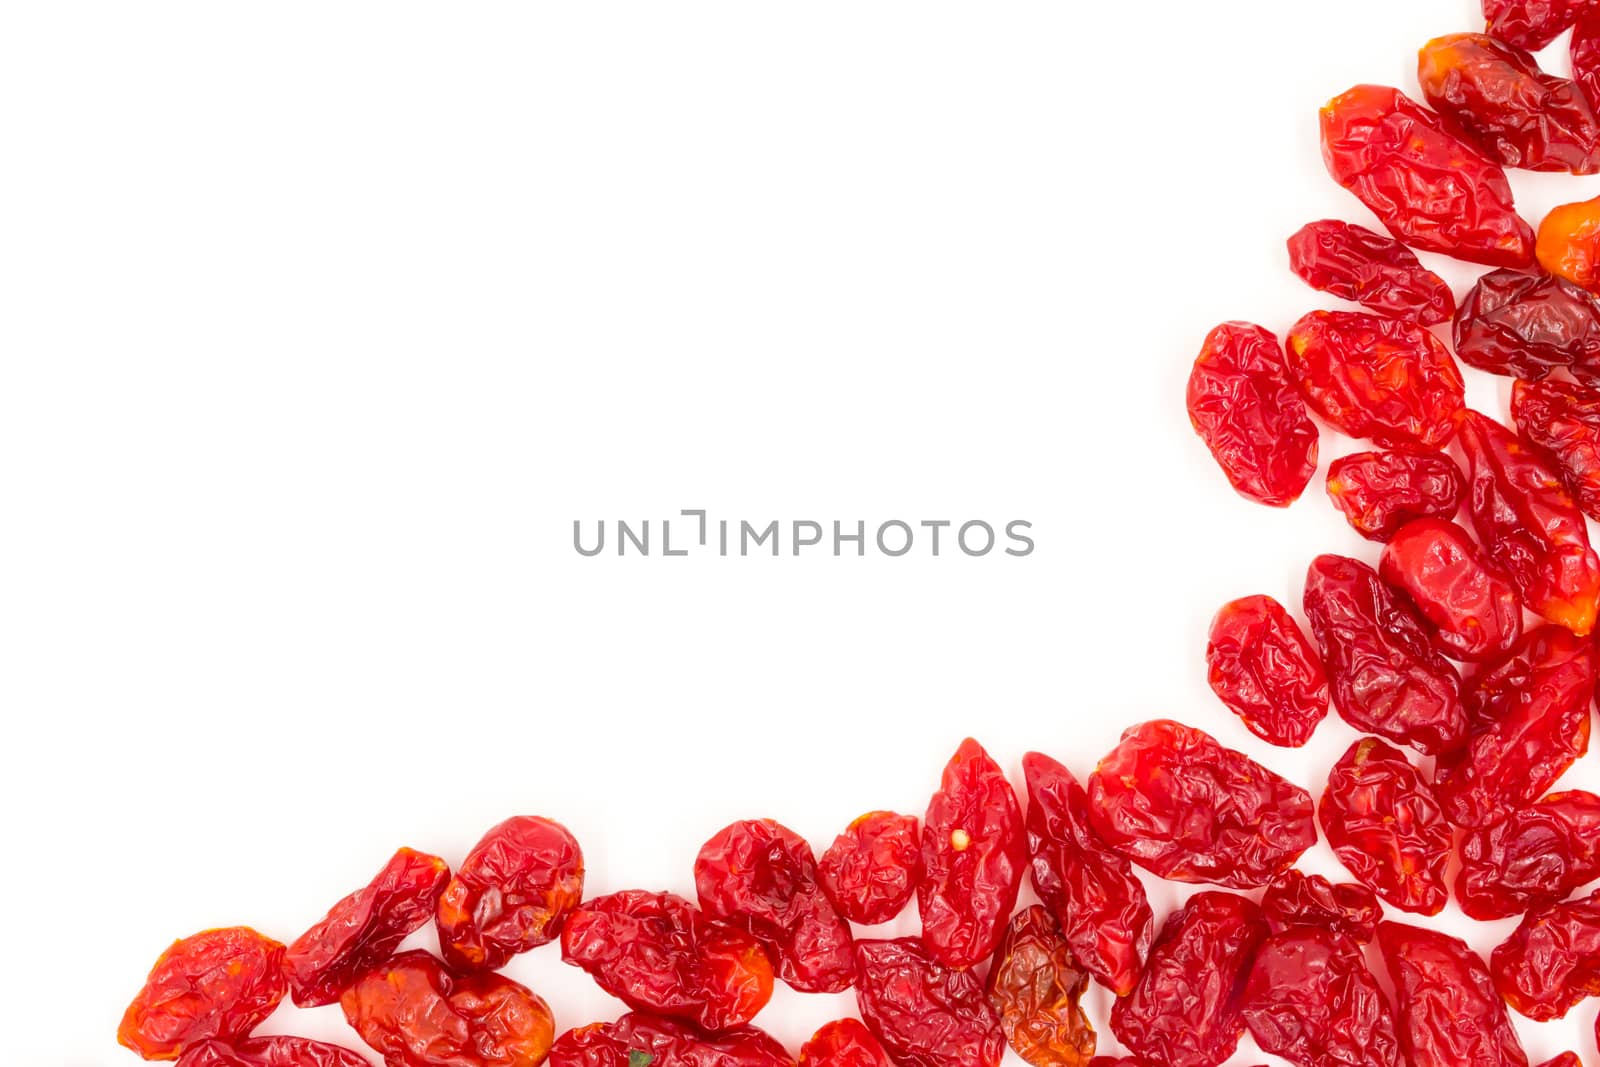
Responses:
[1585,51]
[1379,492]
[1311,999]
[1250,415]
[1295,899]
[1530,24]
[1569,243]
[974,856]
[871,871]
[1185,1010]
[1378,272]
[1527,325]
[1551,961]
[511,893]
[1430,189]
[1384,673]
[658,953]
[844,1043]
[1097,900]
[272,1051]
[668,1043]
[924,1013]
[1562,421]
[1372,377]
[1383,823]
[1446,1007]
[1034,986]
[761,876]
[1537,856]
[216,984]
[1263,667]
[1474,609]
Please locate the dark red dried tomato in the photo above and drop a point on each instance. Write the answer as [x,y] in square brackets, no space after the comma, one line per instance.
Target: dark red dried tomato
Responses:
[1531,24]
[275,1051]
[1562,421]
[871,871]
[656,952]
[1569,243]
[1250,415]
[1379,492]
[1585,49]
[1448,1012]
[1311,1000]
[1185,1010]
[1429,188]
[844,1043]
[974,854]
[217,984]
[510,894]
[1551,961]
[1473,607]
[1384,824]
[1098,901]
[1353,263]
[926,1014]
[1387,379]
[1266,671]
[1528,325]
[364,929]
[1296,899]
[1385,675]
[1536,856]
[1176,802]
[415,1013]
[1034,986]
[640,1040]
[761,876]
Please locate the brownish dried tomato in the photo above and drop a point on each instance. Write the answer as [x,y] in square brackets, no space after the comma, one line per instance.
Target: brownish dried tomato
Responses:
[761,876]
[1353,263]
[1384,824]
[1448,1012]
[1569,243]
[1311,999]
[1185,1010]
[1562,421]
[1528,325]
[1034,986]
[510,894]
[871,871]
[844,1043]
[1250,415]
[272,1051]
[640,1040]
[1176,802]
[1266,671]
[1551,961]
[1098,901]
[1383,671]
[924,1013]
[1296,899]
[1379,492]
[1536,856]
[1531,24]
[217,984]
[1429,188]
[974,854]
[1473,607]
[656,952]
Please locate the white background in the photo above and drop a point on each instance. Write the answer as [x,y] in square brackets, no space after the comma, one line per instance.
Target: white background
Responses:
[322,322]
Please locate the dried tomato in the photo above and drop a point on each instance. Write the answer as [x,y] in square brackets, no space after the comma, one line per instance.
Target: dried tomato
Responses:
[1566,1059]
[1185,1010]
[974,854]
[1536,856]
[1529,525]
[1034,986]
[1562,421]
[761,876]
[659,953]
[1098,901]
[415,1013]
[871,871]
[1386,379]
[1551,961]
[924,1013]
[364,929]
[217,984]
[1311,999]
[1266,671]
[1585,49]
[1383,670]
[1250,415]
[1430,189]
[272,1051]
[844,1043]
[1475,610]
[510,894]
[1353,263]
[1384,824]
[1176,802]
[1531,24]
[1296,899]
[1528,325]
[639,1040]
[1448,1012]
[1379,492]
[1569,243]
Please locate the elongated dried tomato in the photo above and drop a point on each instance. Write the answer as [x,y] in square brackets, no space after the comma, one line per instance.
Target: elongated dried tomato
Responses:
[1034,986]
[275,1051]
[364,929]
[1379,492]
[216,984]
[1551,961]
[844,1043]
[1535,856]
[510,894]
[1176,802]
[1569,243]
[871,871]
[1185,1010]
[1529,525]
[1473,607]
[1098,901]
[974,854]
[1385,675]
[1384,824]
[641,1040]
[1528,325]
[1266,671]
[1447,1010]
[658,953]
[1250,415]
[415,1013]
[1311,999]
[1368,268]
[762,877]
[1387,379]
[1297,899]
[924,1013]
[1562,421]
[1531,24]
[1429,188]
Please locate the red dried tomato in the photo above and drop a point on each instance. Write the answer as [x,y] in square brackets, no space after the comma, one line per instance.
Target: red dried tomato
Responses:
[1385,826]
[871,871]
[1356,264]
[1311,1000]
[640,1040]
[1562,421]
[1448,1012]
[1585,50]
[1569,243]
[1528,325]
[217,984]
[510,894]
[1566,1059]
[924,1013]
[272,1051]
[1536,856]
[1296,899]
[1475,610]
[844,1043]
[1034,986]
[1266,671]
[1531,24]
[1379,492]
[1551,961]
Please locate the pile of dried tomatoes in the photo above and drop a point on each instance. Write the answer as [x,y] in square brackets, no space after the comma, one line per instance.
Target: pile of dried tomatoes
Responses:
[1288,964]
